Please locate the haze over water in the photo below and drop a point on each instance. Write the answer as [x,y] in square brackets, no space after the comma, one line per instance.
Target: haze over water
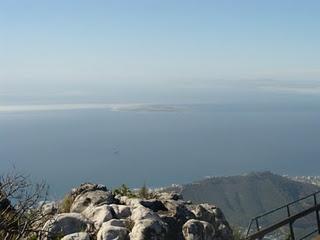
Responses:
[160,143]
[158,91]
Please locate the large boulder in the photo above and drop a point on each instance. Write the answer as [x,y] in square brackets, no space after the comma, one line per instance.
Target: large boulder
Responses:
[180,211]
[77,236]
[113,230]
[154,204]
[178,214]
[198,230]
[121,211]
[141,212]
[99,214]
[65,224]
[206,212]
[149,229]
[174,228]
[87,187]
[91,198]
[164,196]
[132,202]
[214,215]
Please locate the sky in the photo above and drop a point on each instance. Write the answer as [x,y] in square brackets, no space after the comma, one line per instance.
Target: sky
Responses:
[76,45]
[258,59]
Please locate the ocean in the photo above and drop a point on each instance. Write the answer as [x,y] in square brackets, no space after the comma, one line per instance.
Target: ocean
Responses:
[159,145]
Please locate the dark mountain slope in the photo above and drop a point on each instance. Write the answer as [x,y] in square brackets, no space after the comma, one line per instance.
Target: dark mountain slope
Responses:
[243,197]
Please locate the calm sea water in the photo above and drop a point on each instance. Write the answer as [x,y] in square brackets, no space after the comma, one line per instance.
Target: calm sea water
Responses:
[69,147]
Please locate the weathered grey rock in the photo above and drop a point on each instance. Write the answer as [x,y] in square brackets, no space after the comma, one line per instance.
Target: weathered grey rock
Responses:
[64,224]
[177,215]
[170,196]
[149,229]
[179,210]
[121,211]
[167,217]
[174,228]
[77,236]
[99,214]
[116,223]
[132,202]
[210,213]
[154,204]
[198,230]
[87,187]
[111,232]
[205,212]
[222,227]
[224,232]
[141,212]
[49,208]
[91,198]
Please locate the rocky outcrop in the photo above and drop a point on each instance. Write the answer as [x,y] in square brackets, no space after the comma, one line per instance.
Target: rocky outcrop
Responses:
[91,198]
[97,213]
[198,230]
[149,228]
[121,211]
[113,230]
[64,224]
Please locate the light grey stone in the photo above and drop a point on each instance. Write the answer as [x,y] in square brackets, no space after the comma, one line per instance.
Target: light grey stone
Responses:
[198,230]
[98,214]
[149,229]
[110,232]
[91,198]
[64,224]
[77,236]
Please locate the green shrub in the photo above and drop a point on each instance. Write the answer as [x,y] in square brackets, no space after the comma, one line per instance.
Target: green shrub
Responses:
[124,190]
[143,192]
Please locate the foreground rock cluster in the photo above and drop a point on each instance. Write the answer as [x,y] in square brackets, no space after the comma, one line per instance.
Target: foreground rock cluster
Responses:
[96,213]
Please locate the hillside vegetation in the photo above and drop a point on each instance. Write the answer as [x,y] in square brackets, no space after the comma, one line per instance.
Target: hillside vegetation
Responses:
[246,196]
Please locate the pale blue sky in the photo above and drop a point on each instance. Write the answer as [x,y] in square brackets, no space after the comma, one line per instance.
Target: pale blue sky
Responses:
[257,62]
[152,42]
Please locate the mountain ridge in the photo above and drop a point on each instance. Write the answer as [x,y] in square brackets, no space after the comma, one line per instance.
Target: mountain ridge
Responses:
[243,197]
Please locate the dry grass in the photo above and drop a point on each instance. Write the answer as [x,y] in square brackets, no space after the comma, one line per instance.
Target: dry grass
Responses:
[65,205]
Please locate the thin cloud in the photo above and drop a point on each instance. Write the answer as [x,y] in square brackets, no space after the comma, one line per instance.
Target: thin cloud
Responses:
[111,107]
[295,87]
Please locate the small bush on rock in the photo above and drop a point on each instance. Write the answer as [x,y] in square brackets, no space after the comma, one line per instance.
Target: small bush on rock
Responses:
[145,193]
[124,190]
